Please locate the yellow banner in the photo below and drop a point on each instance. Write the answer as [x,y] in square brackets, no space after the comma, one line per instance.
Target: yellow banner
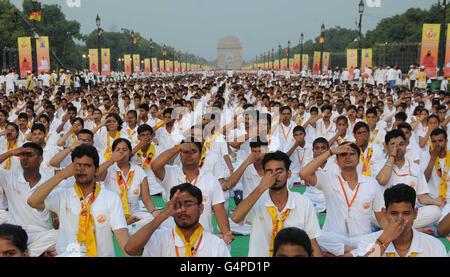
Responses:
[183,67]
[325,62]
[305,62]
[106,62]
[366,59]
[291,64]
[127,64]
[43,54]
[137,63]
[26,63]
[430,48]
[316,63]
[177,67]
[93,60]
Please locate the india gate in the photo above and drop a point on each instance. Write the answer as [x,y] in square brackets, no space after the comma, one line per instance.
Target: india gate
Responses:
[229,53]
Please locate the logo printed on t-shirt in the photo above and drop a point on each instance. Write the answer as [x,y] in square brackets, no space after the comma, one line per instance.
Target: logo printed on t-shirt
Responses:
[101,219]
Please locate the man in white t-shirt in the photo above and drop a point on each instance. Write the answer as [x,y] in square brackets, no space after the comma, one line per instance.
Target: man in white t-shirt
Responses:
[18,186]
[83,208]
[396,169]
[187,239]
[399,238]
[436,165]
[271,207]
[189,172]
[351,199]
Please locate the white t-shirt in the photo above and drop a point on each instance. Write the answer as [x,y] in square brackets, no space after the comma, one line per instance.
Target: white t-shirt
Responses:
[134,189]
[106,210]
[410,174]
[422,244]
[18,191]
[162,243]
[299,158]
[368,200]
[302,215]
[435,181]
[206,182]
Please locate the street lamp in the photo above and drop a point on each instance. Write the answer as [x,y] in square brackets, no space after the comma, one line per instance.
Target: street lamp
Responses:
[272,57]
[97,22]
[164,53]
[289,48]
[322,42]
[361,11]
[84,61]
[302,36]
[151,52]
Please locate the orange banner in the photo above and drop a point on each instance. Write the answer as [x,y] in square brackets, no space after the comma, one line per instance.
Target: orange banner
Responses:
[430,48]
[183,67]
[127,64]
[447,55]
[147,66]
[137,63]
[316,63]
[284,64]
[161,66]
[26,63]
[297,63]
[93,61]
[276,65]
[154,65]
[305,62]
[43,54]
[106,62]
[177,67]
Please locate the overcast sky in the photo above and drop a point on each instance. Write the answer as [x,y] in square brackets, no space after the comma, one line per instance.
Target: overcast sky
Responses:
[196,26]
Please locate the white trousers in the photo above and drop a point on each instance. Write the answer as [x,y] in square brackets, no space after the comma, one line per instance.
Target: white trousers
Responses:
[40,240]
[335,243]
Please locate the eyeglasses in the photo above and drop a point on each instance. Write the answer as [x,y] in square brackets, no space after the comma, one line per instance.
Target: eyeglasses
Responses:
[186,204]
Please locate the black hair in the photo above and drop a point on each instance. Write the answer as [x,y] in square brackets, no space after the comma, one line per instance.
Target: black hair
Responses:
[321,140]
[193,140]
[277,156]
[133,112]
[327,107]
[404,126]
[86,131]
[14,125]
[437,132]
[16,234]
[372,110]
[145,127]
[399,193]
[352,145]
[193,190]
[86,150]
[77,119]
[299,128]
[117,118]
[35,146]
[394,134]
[285,108]
[144,106]
[360,125]
[401,116]
[119,140]
[292,236]
[434,116]
[342,117]
[38,126]
[23,115]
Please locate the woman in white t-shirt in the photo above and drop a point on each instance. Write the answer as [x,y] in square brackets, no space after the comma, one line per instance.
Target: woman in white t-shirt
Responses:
[129,181]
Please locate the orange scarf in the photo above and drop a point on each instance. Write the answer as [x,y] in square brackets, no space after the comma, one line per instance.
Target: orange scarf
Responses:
[277,224]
